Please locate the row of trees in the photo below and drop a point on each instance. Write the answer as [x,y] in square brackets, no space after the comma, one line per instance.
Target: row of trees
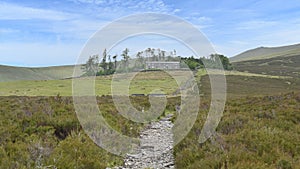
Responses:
[109,64]
[210,62]
[92,66]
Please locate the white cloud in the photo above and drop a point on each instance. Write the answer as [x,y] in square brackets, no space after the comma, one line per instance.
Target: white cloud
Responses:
[255,24]
[201,22]
[176,10]
[8,31]
[10,11]
[64,25]
[132,6]
[77,28]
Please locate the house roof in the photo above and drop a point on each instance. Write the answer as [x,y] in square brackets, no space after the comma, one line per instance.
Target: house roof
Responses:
[160,62]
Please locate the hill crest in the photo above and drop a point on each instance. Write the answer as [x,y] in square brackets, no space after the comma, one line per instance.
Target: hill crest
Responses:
[13,73]
[267,52]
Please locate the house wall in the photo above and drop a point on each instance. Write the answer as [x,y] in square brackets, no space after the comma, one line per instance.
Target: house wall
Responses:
[162,65]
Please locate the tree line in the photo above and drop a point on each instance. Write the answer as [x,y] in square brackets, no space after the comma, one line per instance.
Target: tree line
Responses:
[109,63]
[207,62]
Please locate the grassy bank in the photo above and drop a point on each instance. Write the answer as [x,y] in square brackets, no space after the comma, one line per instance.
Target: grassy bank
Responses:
[255,132]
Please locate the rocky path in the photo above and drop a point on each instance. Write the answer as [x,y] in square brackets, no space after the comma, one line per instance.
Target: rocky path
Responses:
[156,149]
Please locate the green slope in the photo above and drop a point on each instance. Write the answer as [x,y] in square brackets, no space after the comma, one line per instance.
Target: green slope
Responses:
[143,83]
[277,66]
[11,73]
[267,52]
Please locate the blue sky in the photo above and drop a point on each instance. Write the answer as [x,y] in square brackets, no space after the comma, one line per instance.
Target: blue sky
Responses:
[53,32]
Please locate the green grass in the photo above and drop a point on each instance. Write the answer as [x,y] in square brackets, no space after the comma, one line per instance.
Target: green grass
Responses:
[36,88]
[142,83]
[147,82]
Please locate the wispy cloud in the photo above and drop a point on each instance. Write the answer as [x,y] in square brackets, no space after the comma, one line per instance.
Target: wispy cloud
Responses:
[9,11]
[132,6]
[255,25]
[44,23]
[8,31]
[200,22]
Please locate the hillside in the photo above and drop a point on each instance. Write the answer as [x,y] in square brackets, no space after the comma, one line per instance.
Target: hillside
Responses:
[267,52]
[11,73]
[277,66]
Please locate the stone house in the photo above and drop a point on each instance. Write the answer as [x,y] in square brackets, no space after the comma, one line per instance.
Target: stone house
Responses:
[162,65]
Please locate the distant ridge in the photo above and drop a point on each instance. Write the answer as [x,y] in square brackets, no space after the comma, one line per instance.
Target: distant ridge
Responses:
[267,52]
[12,73]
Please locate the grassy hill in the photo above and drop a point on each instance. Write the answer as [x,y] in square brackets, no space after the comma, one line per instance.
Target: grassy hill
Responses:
[143,83]
[277,61]
[238,83]
[278,66]
[11,73]
[267,52]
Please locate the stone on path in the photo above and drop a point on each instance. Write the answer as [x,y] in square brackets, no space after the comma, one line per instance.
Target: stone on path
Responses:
[156,148]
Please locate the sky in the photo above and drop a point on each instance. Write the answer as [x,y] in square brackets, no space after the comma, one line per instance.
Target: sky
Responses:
[53,32]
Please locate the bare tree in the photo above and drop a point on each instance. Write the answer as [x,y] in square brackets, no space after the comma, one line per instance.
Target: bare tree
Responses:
[125,58]
[115,60]
[103,63]
[90,68]
[110,64]
[163,55]
[139,57]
